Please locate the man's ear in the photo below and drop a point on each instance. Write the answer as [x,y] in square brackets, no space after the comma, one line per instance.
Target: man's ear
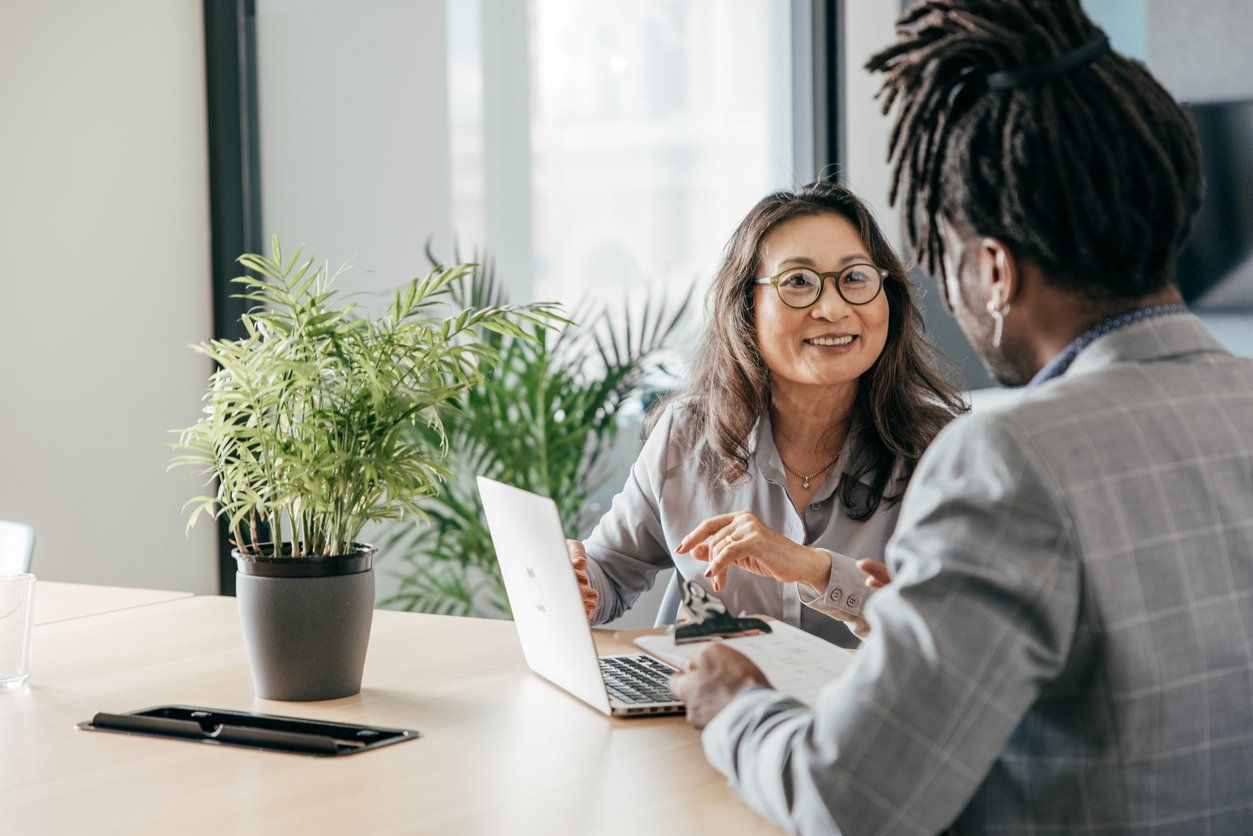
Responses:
[999,277]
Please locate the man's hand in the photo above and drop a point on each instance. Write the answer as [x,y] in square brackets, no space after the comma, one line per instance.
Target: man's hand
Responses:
[578,557]
[709,684]
[740,539]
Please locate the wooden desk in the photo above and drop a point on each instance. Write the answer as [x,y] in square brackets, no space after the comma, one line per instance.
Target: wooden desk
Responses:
[56,601]
[503,751]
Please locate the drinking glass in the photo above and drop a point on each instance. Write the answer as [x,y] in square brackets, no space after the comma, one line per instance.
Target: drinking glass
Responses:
[17,595]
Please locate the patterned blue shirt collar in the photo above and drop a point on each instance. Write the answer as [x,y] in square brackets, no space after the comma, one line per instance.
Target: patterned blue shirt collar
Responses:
[1059,364]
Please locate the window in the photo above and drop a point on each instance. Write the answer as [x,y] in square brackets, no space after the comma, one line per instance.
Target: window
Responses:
[592,148]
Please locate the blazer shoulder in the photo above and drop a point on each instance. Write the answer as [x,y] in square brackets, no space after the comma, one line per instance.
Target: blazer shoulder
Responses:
[987,445]
[1120,390]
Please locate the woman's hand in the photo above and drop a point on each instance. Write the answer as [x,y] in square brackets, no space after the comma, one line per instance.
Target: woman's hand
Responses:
[740,539]
[578,557]
[877,575]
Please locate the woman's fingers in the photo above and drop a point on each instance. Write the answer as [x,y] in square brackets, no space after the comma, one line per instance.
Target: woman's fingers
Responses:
[722,536]
[578,559]
[718,578]
[723,557]
[709,549]
[877,574]
[721,542]
[585,582]
[720,559]
[580,570]
[719,546]
[702,531]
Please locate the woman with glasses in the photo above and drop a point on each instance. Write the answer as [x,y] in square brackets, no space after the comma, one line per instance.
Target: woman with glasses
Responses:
[813,393]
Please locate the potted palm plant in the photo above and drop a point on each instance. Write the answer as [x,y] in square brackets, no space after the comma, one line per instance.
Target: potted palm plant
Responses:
[543,418]
[307,430]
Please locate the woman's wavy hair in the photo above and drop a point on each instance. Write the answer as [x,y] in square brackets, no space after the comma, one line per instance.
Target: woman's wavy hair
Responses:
[902,401]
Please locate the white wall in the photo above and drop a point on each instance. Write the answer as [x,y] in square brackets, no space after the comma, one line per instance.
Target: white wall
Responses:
[104,235]
[1202,56]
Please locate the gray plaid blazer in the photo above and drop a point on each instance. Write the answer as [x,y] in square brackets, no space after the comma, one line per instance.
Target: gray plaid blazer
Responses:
[1067,646]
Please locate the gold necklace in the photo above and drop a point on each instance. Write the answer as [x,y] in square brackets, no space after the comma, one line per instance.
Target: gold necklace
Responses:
[805,479]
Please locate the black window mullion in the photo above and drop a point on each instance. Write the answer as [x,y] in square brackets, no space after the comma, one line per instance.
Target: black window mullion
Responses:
[234,176]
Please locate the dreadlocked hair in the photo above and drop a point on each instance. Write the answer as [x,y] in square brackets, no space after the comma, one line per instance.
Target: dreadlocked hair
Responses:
[1094,173]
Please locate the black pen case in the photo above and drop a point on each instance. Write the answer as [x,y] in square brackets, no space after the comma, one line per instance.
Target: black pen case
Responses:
[268,732]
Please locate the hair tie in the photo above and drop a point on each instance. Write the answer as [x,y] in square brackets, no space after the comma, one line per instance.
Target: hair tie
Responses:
[964,78]
[1059,66]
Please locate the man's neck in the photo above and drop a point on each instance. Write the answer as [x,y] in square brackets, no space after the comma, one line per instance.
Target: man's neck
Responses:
[1070,317]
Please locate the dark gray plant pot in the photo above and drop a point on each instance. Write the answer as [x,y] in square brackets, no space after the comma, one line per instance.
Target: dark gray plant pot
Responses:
[306,622]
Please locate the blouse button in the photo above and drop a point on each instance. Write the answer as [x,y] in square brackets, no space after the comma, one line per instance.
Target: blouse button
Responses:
[814,506]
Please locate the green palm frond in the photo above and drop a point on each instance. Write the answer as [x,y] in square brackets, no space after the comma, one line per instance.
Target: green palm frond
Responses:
[542,418]
[323,419]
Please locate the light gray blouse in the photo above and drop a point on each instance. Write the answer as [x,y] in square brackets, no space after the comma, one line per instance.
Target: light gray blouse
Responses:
[669,494]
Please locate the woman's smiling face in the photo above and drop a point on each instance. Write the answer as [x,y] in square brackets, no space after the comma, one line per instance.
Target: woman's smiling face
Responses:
[812,346]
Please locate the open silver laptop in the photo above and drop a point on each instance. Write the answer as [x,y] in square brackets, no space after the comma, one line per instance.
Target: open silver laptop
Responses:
[548,610]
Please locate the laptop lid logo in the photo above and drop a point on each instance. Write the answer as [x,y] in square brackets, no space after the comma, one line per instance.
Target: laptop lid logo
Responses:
[535,590]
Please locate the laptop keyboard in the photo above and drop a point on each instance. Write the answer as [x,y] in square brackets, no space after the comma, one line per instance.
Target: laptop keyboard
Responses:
[637,679]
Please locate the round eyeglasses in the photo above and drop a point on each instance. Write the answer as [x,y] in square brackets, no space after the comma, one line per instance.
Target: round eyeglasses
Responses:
[800,287]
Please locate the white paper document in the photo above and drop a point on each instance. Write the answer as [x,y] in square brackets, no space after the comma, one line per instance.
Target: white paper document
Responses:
[795,662]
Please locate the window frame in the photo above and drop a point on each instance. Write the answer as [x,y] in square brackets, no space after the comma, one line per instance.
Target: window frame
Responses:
[234,144]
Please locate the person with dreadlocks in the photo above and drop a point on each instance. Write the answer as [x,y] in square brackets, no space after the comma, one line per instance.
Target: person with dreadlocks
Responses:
[1065,642]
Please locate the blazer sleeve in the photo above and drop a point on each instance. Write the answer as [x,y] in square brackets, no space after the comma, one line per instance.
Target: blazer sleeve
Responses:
[981,613]
[628,547]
